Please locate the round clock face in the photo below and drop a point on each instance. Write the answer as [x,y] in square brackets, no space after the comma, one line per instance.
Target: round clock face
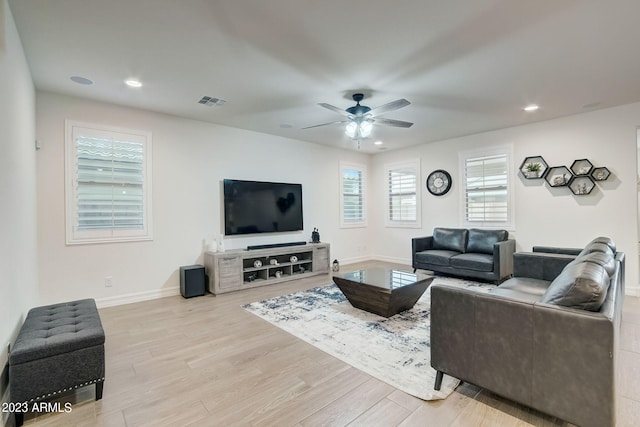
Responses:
[439,182]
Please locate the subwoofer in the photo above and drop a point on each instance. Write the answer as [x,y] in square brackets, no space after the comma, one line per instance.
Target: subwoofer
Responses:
[192,281]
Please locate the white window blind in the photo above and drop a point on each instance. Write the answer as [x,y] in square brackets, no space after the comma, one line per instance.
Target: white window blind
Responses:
[403,207]
[108,179]
[487,199]
[353,208]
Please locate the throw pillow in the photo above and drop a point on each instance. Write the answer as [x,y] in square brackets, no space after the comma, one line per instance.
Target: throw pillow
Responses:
[606,260]
[582,285]
[596,247]
[606,240]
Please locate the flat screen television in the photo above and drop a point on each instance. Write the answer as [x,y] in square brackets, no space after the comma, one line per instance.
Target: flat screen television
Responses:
[261,207]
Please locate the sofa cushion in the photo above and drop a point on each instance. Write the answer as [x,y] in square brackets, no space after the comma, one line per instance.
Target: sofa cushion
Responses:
[581,285]
[435,256]
[604,259]
[469,261]
[482,241]
[515,294]
[526,285]
[452,239]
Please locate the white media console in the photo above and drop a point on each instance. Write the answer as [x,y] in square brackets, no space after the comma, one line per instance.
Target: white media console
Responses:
[241,269]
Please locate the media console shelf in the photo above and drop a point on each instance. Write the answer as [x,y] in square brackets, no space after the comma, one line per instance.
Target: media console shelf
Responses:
[240,269]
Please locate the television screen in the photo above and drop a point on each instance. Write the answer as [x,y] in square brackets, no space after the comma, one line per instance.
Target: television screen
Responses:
[261,207]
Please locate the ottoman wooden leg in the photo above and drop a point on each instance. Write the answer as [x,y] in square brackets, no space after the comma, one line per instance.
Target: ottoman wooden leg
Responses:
[99,386]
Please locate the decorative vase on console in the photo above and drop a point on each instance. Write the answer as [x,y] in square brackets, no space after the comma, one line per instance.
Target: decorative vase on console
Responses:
[213,246]
[221,244]
[315,236]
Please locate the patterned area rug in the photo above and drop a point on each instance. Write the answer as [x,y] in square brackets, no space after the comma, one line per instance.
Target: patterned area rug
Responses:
[394,350]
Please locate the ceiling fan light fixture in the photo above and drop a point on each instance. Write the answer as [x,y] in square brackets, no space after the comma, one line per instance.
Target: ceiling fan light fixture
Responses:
[351,129]
[365,128]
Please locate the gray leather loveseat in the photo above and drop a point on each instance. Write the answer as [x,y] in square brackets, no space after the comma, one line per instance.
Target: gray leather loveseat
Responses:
[475,253]
[547,338]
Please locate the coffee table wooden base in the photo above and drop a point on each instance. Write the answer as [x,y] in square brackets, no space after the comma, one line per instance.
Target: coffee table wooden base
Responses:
[381,301]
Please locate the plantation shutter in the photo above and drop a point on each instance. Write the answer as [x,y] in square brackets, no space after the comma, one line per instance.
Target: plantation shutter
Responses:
[107,184]
[110,184]
[402,194]
[486,182]
[353,196]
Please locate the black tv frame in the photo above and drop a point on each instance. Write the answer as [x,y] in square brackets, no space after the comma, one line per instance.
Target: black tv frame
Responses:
[226,184]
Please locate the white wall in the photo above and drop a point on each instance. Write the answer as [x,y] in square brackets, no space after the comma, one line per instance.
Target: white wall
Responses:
[190,159]
[18,252]
[543,215]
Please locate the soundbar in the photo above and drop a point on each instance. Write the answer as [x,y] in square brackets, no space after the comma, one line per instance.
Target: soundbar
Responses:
[275,245]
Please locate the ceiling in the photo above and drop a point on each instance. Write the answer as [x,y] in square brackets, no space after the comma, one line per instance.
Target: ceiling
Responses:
[466,66]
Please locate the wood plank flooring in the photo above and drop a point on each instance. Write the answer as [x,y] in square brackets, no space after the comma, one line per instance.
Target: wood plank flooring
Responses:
[207,362]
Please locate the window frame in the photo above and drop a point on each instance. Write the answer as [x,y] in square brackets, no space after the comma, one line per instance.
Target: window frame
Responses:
[74,235]
[362,222]
[464,157]
[414,165]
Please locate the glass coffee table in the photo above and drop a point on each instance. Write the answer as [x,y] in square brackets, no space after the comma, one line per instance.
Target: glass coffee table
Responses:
[383,291]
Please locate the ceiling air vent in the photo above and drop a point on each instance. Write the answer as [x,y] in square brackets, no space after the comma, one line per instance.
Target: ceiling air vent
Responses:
[210,101]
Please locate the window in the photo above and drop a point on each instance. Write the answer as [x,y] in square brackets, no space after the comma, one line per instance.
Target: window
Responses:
[108,184]
[403,202]
[352,195]
[487,200]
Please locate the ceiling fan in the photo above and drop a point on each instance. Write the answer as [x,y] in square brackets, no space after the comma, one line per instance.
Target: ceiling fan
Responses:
[360,118]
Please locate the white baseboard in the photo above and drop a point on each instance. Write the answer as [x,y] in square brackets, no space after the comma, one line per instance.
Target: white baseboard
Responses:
[137,297]
[394,260]
[633,291]
[347,261]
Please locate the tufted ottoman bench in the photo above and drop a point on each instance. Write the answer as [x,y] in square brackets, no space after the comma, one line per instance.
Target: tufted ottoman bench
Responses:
[59,348]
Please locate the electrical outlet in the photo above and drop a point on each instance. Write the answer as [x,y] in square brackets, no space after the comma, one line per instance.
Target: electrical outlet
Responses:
[108,281]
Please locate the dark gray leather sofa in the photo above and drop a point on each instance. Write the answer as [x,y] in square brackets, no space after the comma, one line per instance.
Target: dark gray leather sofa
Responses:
[547,338]
[475,253]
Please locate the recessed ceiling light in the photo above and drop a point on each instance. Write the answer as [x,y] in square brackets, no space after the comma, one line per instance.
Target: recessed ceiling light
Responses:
[377,143]
[133,83]
[81,80]
[531,107]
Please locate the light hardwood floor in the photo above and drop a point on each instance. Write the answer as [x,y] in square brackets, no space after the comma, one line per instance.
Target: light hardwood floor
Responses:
[207,362]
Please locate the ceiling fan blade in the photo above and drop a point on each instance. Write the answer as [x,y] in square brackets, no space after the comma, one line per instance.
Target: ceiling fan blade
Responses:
[326,124]
[335,109]
[391,122]
[394,105]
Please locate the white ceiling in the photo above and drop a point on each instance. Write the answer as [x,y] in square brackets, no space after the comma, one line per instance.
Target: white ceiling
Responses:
[467,66]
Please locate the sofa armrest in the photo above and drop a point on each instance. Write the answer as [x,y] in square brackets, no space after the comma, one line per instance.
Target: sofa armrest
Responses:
[575,364]
[540,265]
[503,258]
[484,339]
[419,244]
[554,250]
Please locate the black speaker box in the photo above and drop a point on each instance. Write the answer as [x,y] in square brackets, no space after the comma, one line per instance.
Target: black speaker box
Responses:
[192,281]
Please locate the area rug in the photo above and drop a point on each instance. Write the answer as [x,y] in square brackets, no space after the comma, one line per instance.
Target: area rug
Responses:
[394,350]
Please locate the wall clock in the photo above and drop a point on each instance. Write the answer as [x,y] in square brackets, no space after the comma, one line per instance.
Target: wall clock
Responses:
[439,182]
